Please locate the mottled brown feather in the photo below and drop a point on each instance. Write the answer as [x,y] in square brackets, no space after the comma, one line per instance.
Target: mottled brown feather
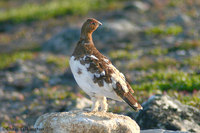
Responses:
[127,97]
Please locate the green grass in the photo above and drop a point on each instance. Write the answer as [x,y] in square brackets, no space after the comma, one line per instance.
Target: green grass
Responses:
[7,59]
[165,80]
[193,62]
[54,93]
[60,61]
[164,30]
[184,97]
[30,12]
[146,63]
[13,122]
[124,54]
[158,51]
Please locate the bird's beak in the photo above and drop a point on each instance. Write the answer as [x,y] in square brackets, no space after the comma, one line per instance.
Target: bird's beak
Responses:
[99,23]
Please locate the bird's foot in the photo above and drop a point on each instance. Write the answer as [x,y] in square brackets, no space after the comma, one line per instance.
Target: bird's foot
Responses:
[95,105]
[104,105]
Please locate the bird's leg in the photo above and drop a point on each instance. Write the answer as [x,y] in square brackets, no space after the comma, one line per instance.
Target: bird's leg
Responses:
[95,105]
[104,105]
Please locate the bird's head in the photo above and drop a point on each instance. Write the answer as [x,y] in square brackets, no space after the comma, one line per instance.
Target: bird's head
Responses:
[90,25]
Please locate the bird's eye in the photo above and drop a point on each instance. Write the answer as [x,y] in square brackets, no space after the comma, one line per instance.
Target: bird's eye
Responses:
[93,23]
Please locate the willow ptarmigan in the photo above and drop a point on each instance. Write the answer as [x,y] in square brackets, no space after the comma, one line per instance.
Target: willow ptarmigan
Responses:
[96,75]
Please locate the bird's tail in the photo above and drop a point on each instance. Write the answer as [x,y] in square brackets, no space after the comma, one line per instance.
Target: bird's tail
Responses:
[128,98]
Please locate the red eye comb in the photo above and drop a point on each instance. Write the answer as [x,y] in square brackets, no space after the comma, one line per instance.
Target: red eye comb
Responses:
[92,22]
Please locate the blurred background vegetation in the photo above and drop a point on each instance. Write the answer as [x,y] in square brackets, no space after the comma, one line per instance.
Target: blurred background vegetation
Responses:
[161,57]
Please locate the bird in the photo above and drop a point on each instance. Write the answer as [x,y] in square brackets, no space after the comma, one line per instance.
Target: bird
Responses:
[96,75]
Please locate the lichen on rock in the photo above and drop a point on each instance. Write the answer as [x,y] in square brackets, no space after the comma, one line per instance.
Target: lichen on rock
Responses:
[85,122]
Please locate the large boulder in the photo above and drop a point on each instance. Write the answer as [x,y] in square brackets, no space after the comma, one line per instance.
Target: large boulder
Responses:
[164,112]
[85,122]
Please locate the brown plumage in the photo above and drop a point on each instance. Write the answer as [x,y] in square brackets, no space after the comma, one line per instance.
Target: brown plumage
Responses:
[96,75]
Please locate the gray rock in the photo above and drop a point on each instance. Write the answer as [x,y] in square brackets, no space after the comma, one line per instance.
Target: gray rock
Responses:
[164,112]
[139,5]
[63,42]
[84,122]
[114,30]
[182,19]
[121,25]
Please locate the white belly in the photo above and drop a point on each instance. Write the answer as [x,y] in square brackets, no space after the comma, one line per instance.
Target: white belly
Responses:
[85,81]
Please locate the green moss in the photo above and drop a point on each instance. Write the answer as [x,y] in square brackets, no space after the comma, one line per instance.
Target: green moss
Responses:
[120,54]
[54,93]
[185,45]
[163,80]
[193,62]
[4,124]
[29,12]
[148,63]
[129,46]
[174,3]
[173,30]
[158,51]
[192,99]
[155,30]
[163,30]
[60,61]
[124,54]
[13,122]
[8,59]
